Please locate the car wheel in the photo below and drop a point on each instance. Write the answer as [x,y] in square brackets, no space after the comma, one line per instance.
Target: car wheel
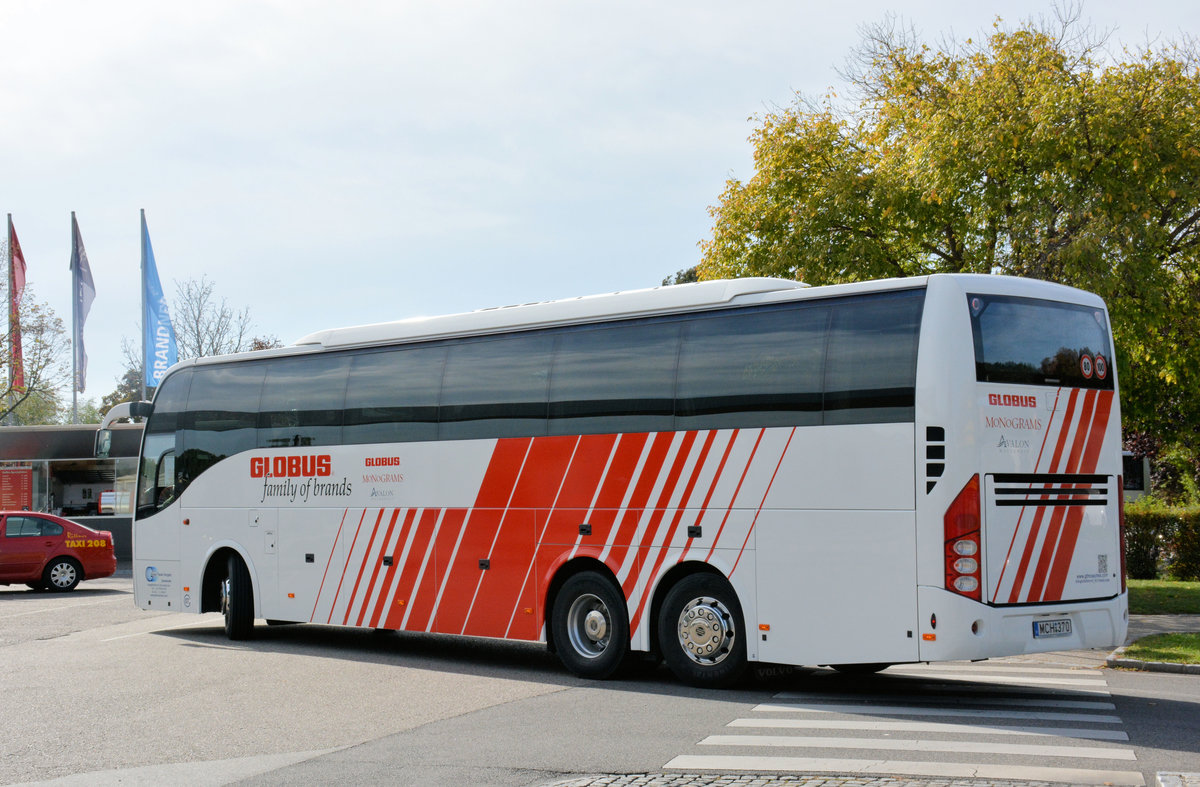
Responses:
[591,626]
[62,574]
[237,600]
[700,631]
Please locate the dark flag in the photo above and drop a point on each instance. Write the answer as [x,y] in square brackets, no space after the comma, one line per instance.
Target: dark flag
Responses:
[85,293]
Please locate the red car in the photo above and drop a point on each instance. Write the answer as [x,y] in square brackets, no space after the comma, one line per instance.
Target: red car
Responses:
[51,553]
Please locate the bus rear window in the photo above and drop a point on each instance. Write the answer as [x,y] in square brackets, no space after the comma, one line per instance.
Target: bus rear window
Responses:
[1037,342]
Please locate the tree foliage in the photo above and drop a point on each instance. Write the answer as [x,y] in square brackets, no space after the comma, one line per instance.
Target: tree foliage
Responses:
[685,276]
[45,361]
[1031,153]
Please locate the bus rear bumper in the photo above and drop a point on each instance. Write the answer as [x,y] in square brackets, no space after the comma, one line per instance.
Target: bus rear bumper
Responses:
[954,628]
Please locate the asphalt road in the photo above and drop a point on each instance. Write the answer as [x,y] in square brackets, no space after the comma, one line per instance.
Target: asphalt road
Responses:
[94,691]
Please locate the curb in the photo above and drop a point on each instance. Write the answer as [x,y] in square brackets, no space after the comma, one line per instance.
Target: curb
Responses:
[1117,659]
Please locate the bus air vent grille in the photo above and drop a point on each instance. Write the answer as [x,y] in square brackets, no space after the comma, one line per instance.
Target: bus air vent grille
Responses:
[1050,489]
[935,456]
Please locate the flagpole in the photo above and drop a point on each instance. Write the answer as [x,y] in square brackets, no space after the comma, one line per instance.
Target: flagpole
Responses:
[143,365]
[8,417]
[74,325]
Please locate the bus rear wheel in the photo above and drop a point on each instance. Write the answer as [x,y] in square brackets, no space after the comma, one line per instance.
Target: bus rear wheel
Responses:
[591,626]
[700,632]
[237,600]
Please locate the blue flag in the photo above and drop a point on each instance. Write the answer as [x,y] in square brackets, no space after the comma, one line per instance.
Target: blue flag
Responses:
[158,337]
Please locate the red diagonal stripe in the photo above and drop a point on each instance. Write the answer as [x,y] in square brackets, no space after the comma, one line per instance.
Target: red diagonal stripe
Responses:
[737,490]
[346,566]
[712,488]
[1070,536]
[659,511]
[664,544]
[389,576]
[332,551]
[753,522]
[362,568]
[1017,530]
[378,565]
[1031,540]
[402,595]
[1053,533]
[499,590]
[626,528]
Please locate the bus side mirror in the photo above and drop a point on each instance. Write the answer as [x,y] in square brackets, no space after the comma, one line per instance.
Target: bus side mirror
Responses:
[103,443]
[141,409]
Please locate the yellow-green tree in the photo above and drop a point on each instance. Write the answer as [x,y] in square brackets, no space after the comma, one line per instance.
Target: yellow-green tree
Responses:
[1031,153]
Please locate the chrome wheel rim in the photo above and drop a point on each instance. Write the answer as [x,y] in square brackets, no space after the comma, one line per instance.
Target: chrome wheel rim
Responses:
[589,626]
[706,632]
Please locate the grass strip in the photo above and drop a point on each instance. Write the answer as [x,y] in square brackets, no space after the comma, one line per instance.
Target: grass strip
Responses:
[1171,648]
[1163,597]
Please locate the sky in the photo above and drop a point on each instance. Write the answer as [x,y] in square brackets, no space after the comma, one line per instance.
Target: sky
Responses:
[338,163]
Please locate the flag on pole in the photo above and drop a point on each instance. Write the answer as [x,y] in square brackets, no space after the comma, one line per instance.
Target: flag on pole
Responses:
[159,352]
[16,288]
[85,293]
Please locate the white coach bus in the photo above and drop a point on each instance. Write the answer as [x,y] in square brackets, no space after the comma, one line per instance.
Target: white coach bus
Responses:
[717,473]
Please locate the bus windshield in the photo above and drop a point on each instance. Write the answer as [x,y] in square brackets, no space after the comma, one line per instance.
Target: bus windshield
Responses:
[1037,342]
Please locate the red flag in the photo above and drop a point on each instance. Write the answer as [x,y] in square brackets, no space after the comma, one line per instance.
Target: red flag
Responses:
[16,288]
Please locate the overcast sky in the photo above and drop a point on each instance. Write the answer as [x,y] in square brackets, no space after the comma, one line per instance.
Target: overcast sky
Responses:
[331,164]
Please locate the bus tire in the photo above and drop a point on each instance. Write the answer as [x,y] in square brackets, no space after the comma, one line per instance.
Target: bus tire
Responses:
[591,626]
[237,600]
[700,631]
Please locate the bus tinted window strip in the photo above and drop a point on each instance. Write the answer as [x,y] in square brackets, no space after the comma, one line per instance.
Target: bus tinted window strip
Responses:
[877,405]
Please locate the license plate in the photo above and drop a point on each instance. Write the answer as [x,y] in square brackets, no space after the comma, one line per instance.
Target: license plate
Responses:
[1043,629]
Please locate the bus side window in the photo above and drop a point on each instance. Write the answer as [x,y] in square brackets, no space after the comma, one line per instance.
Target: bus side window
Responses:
[392,395]
[302,402]
[221,418]
[161,443]
[496,387]
[871,371]
[757,368]
[614,379]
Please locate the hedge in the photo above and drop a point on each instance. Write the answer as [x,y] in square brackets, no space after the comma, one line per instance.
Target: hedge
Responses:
[1161,539]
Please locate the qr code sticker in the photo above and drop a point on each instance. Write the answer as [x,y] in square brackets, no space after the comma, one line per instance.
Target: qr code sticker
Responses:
[1102,564]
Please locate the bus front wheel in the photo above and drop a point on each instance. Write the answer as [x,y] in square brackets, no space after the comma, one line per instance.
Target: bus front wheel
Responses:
[700,631]
[237,600]
[591,626]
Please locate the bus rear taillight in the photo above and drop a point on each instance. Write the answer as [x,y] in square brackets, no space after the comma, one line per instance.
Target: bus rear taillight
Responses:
[962,530]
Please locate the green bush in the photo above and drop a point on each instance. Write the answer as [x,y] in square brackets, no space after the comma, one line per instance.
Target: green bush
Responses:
[1149,532]
[1187,546]
[1160,537]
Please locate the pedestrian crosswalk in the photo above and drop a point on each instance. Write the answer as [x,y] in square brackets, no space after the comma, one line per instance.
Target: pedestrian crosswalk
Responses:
[985,721]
